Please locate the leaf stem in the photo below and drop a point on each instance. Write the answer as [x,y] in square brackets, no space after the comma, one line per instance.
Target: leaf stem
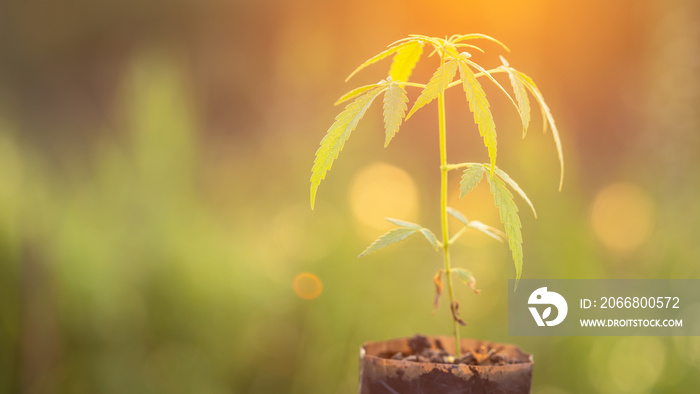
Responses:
[443,214]
[452,84]
[413,84]
[477,75]
[450,167]
[458,234]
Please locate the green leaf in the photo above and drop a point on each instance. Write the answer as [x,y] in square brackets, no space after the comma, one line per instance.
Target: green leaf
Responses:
[434,41]
[469,46]
[437,84]
[520,95]
[385,53]
[466,63]
[354,93]
[479,105]
[546,114]
[404,230]
[458,215]
[335,138]
[502,174]
[417,37]
[405,60]
[467,277]
[494,233]
[392,237]
[430,237]
[470,178]
[473,36]
[395,100]
[404,223]
[511,222]
[449,51]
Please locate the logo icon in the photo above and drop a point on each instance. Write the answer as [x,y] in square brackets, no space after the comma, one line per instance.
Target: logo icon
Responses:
[543,297]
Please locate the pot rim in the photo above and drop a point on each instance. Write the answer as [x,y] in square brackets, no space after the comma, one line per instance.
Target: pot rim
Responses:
[481,368]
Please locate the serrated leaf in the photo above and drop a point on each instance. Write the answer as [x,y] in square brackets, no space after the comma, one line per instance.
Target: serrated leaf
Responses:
[466,62]
[449,51]
[430,237]
[502,174]
[335,138]
[405,60]
[520,96]
[546,114]
[467,277]
[511,222]
[479,106]
[417,37]
[354,93]
[494,233]
[547,312]
[437,84]
[458,215]
[403,223]
[469,46]
[437,280]
[434,41]
[385,53]
[395,99]
[473,36]
[392,237]
[471,177]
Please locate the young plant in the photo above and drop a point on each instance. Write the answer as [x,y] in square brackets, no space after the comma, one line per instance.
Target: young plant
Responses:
[454,62]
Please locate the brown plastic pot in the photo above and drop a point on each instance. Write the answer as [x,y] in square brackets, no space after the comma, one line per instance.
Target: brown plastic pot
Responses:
[379,375]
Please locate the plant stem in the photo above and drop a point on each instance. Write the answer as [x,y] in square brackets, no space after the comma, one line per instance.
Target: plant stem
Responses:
[443,214]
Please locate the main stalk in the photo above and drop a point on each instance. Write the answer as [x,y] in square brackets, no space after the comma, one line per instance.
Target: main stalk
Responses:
[443,214]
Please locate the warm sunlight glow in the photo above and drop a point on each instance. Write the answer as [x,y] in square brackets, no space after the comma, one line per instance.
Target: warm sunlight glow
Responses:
[622,217]
[307,286]
[381,190]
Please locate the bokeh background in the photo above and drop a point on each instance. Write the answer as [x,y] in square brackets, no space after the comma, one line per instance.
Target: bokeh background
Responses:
[155,229]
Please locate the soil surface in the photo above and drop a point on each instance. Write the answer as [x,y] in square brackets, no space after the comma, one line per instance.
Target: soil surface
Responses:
[423,351]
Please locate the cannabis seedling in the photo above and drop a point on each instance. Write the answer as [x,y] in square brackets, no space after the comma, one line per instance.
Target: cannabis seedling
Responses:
[453,58]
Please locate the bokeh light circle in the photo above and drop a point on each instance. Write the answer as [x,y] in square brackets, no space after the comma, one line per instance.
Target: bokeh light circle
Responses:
[636,363]
[623,216]
[381,190]
[627,365]
[307,286]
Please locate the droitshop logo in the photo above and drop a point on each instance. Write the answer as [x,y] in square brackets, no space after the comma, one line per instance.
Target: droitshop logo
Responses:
[543,297]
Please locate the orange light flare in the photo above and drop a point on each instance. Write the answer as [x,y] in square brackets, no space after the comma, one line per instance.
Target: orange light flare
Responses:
[307,286]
